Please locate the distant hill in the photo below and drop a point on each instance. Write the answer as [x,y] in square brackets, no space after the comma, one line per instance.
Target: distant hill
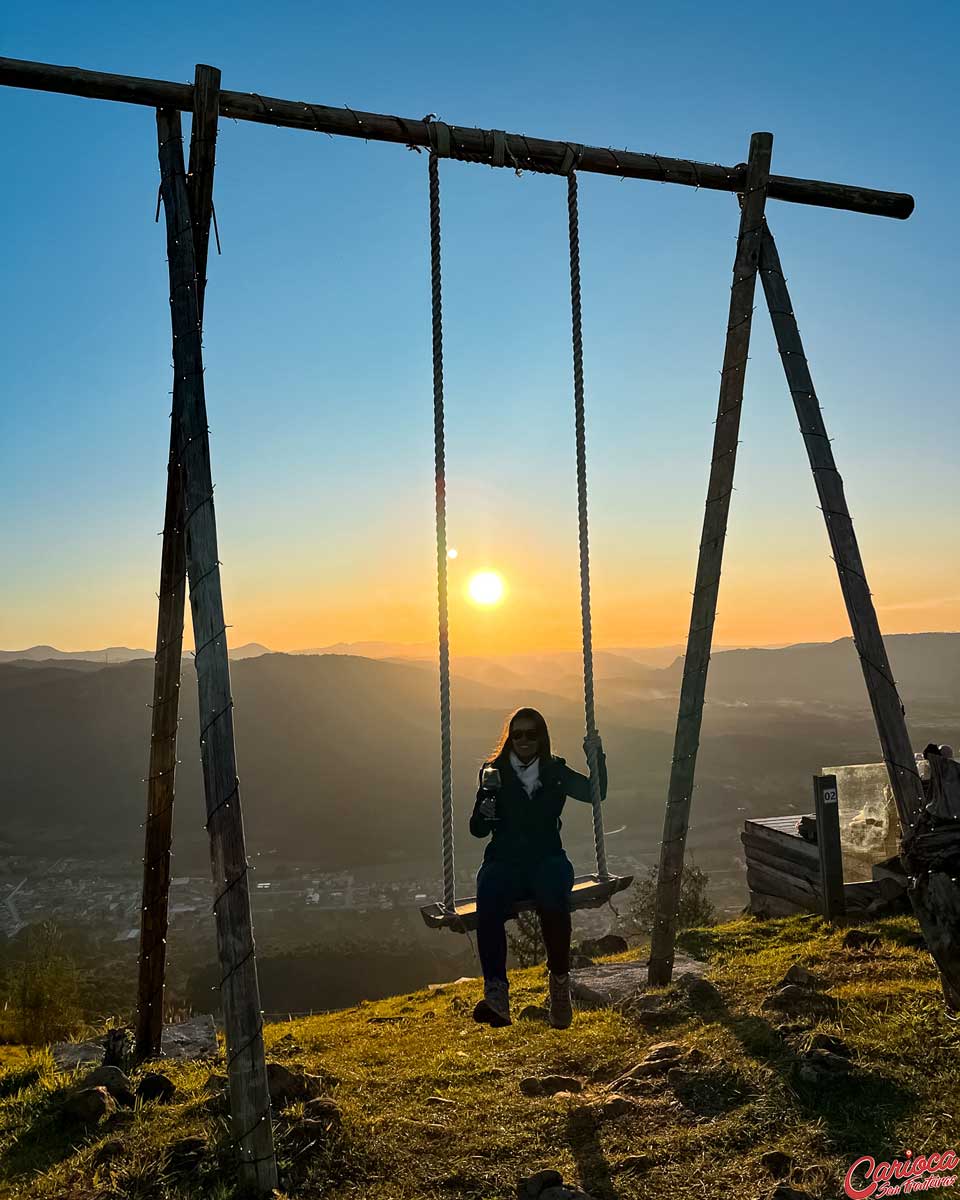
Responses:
[109,656]
[339,754]
[113,654]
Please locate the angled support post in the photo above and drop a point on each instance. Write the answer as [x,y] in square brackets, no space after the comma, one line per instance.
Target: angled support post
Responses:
[931,854]
[239,986]
[704,609]
[161,780]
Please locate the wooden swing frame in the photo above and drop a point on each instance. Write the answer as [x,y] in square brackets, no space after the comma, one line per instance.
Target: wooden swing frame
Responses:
[187,197]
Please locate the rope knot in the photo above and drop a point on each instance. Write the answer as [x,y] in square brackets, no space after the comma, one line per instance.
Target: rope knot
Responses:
[439,135]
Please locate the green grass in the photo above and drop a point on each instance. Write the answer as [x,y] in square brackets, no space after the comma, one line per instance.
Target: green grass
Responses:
[396,1145]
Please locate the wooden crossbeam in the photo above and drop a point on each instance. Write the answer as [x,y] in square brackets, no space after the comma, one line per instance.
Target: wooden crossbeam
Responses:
[478,145]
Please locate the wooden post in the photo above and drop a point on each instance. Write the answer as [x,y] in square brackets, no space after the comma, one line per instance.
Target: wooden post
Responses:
[700,635]
[169,653]
[933,862]
[239,988]
[828,845]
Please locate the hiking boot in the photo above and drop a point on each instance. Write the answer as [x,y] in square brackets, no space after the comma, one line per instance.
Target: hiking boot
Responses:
[561,1008]
[494,1008]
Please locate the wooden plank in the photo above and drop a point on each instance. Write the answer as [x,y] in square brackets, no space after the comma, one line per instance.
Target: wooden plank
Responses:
[790,824]
[785,853]
[782,883]
[778,838]
[239,987]
[762,905]
[828,844]
[936,896]
[808,872]
[169,653]
[704,608]
[529,153]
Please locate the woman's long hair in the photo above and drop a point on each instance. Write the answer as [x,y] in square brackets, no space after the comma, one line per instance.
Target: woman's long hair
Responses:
[543,735]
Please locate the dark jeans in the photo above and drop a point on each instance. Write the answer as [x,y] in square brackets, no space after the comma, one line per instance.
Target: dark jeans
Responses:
[548,882]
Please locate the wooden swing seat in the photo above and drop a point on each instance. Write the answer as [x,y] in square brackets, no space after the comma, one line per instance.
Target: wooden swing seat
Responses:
[589,891]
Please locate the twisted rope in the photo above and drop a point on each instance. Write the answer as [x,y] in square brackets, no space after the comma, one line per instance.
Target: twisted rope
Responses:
[446,783]
[592,743]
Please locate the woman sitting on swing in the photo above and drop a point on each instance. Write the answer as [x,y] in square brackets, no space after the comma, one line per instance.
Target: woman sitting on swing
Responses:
[525,858]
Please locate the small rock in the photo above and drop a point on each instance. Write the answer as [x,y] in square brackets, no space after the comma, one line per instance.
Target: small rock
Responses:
[187,1152]
[616,1106]
[800,975]
[792,1029]
[323,1108]
[154,1086]
[793,997]
[579,961]
[664,1050]
[694,1057]
[610,943]
[635,1163]
[533,1012]
[677,1077]
[108,1150]
[531,1187]
[383,1020]
[116,1083]
[821,1067]
[549,1085]
[287,1086]
[89,1105]
[700,993]
[861,939]
[827,1041]
[564,1192]
[777,1163]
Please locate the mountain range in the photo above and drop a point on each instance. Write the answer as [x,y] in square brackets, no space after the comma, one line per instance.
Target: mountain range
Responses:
[339,754]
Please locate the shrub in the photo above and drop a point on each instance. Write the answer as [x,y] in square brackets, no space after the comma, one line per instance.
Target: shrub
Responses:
[526,941]
[695,908]
[45,988]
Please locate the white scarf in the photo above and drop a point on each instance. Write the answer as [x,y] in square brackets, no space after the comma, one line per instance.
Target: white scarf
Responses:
[528,775]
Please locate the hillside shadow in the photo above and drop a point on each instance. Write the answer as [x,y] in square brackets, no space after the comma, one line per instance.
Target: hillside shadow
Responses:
[859,1112]
[48,1140]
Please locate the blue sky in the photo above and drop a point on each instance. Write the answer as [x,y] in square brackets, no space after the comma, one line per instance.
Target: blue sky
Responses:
[317,334]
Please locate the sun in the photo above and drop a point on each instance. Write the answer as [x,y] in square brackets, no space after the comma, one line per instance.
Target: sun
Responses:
[486,588]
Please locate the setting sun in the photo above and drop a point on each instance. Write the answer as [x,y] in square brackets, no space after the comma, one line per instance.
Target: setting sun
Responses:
[486,587]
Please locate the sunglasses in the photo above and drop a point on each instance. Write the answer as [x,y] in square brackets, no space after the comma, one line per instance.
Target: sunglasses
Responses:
[524,735]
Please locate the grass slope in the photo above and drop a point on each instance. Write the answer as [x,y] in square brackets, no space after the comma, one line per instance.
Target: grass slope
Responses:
[479,1133]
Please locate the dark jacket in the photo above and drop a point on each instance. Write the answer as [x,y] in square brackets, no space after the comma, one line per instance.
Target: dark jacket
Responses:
[528,827]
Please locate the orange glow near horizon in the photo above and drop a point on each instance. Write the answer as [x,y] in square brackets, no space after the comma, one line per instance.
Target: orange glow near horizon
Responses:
[541,612]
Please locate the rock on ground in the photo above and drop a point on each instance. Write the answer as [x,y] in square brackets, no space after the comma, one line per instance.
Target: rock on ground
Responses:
[114,1080]
[549,1085]
[548,1185]
[194,1038]
[154,1086]
[89,1105]
[607,984]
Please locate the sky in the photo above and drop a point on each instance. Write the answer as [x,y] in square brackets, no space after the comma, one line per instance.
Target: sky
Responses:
[317,332]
